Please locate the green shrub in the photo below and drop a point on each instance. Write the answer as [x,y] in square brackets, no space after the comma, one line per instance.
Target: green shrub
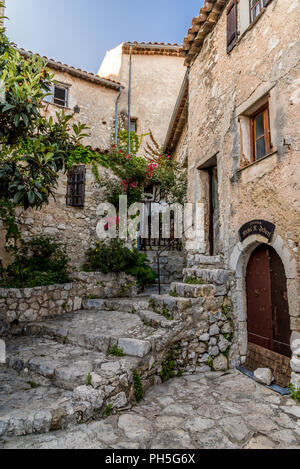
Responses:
[114,256]
[40,261]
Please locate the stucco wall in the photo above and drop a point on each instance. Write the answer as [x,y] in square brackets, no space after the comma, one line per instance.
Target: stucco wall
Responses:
[156,81]
[97,108]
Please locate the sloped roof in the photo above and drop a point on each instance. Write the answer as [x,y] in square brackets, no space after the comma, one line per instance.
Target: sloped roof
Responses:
[152,48]
[77,72]
[179,116]
[201,26]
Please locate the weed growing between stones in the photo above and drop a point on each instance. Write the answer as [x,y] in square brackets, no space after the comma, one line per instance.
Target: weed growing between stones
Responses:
[138,386]
[169,365]
[194,281]
[116,352]
[89,380]
[166,314]
[210,363]
[295,392]
[109,410]
[173,293]
[92,297]
[33,385]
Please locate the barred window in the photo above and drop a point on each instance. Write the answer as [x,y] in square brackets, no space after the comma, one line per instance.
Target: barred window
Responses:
[76,186]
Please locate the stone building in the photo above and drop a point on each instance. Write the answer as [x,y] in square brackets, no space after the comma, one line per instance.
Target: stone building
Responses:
[98,102]
[157,71]
[236,127]
[92,100]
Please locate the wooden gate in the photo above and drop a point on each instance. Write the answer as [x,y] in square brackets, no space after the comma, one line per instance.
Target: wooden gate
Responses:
[268,311]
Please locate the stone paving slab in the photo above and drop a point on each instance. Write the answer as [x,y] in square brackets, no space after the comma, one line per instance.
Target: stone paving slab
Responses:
[201,411]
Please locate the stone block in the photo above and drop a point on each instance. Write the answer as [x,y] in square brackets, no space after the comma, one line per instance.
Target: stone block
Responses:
[134,347]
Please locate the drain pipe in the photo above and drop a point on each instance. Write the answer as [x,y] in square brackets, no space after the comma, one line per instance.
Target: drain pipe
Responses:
[129,102]
[117,115]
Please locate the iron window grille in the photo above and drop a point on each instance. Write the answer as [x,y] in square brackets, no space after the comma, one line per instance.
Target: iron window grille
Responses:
[76,186]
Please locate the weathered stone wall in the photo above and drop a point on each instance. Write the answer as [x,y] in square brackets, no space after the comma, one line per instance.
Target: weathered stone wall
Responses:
[32,304]
[172,264]
[264,64]
[74,227]
[181,150]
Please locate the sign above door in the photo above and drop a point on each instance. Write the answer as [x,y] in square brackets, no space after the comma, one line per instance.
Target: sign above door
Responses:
[260,227]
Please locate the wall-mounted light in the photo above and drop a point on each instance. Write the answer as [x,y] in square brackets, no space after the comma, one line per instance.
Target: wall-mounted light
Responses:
[76,109]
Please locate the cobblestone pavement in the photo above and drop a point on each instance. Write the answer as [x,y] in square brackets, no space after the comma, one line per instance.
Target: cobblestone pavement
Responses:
[203,411]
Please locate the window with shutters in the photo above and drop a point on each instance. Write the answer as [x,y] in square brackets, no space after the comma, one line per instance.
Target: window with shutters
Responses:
[76,186]
[232,32]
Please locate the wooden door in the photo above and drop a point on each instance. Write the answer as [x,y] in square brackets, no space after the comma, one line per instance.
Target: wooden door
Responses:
[259,298]
[280,307]
[268,311]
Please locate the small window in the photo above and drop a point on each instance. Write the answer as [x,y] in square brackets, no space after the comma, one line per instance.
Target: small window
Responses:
[59,95]
[76,186]
[256,7]
[133,125]
[260,133]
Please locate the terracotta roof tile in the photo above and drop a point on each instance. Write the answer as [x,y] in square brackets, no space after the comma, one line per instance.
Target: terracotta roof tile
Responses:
[157,48]
[201,26]
[89,76]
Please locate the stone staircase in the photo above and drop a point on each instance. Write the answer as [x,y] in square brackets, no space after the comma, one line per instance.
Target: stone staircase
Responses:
[66,370]
[78,366]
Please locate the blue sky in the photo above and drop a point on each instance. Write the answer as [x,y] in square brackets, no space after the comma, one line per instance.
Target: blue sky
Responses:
[78,32]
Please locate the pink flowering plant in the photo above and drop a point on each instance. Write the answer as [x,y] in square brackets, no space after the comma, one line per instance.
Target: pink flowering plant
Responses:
[134,172]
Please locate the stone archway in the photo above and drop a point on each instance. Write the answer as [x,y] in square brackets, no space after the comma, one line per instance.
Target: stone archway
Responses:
[238,263]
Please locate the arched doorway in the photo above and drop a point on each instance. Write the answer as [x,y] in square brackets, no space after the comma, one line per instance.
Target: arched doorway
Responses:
[268,313]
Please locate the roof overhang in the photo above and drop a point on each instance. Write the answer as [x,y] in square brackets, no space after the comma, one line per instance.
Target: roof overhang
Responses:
[76,72]
[202,25]
[179,116]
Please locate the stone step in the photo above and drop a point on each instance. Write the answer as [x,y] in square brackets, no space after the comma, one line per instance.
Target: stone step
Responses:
[125,305]
[93,330]
[46,362]
[192,291]
[180,307]
[25,410]
[219,277]
[201,260]
[27,407]
[156,320]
